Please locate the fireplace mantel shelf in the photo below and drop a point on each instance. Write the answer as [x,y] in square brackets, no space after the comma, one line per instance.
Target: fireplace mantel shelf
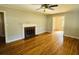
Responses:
[29,25]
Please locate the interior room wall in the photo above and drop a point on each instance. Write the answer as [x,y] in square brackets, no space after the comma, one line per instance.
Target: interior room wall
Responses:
[71,23]
[16,18]
[49,22]
[71,27]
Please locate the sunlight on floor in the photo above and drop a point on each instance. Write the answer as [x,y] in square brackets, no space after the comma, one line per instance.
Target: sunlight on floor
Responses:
[59,36]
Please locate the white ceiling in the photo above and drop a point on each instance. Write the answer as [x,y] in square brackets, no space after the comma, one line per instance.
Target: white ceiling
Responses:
[32,7]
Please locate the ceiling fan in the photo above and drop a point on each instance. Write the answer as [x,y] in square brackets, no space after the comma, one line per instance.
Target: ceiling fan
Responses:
[47,6]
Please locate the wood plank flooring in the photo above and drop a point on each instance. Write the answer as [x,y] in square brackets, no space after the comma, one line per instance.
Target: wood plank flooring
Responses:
[44,44]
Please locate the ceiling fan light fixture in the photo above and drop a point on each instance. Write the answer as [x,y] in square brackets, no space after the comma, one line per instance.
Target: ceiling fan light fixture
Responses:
[47,6]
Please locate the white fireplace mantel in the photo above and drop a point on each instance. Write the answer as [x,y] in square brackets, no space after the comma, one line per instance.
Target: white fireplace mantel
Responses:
[29,25]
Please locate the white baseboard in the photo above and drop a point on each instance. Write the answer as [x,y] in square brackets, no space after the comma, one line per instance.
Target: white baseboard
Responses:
[72,36]
[17,37]
[14,38]
[40,33]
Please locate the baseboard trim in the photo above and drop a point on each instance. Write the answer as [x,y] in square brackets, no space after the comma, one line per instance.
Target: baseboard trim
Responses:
[20,38]
[72,36]
[14,40]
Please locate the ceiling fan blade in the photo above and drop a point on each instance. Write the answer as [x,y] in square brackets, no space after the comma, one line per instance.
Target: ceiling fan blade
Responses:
[53,5]
[51,8]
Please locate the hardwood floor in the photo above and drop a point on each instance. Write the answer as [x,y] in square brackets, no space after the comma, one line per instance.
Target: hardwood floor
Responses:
[45,44]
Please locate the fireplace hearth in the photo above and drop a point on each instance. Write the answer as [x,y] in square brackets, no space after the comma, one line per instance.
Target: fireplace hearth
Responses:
[29,31]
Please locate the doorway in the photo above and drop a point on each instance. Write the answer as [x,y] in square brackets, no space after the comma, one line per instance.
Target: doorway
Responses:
[2,28]
[58,23]
[58,27]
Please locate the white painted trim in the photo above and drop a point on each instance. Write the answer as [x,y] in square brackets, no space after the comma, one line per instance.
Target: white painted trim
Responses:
[5,24]
[9,41]
[72,36]
[17,38]
[28,25]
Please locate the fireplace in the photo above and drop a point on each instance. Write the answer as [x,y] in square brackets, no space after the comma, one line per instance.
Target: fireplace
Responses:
[29,31]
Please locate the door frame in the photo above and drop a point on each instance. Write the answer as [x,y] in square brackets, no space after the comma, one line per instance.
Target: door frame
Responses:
[5,24]
[54,21]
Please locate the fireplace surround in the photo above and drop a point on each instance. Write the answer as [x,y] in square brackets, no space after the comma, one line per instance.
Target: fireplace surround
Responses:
[29,31]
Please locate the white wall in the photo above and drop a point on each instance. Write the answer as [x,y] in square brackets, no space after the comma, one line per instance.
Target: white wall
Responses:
[15,19]
[71,27]
[71,23]
[49,23]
